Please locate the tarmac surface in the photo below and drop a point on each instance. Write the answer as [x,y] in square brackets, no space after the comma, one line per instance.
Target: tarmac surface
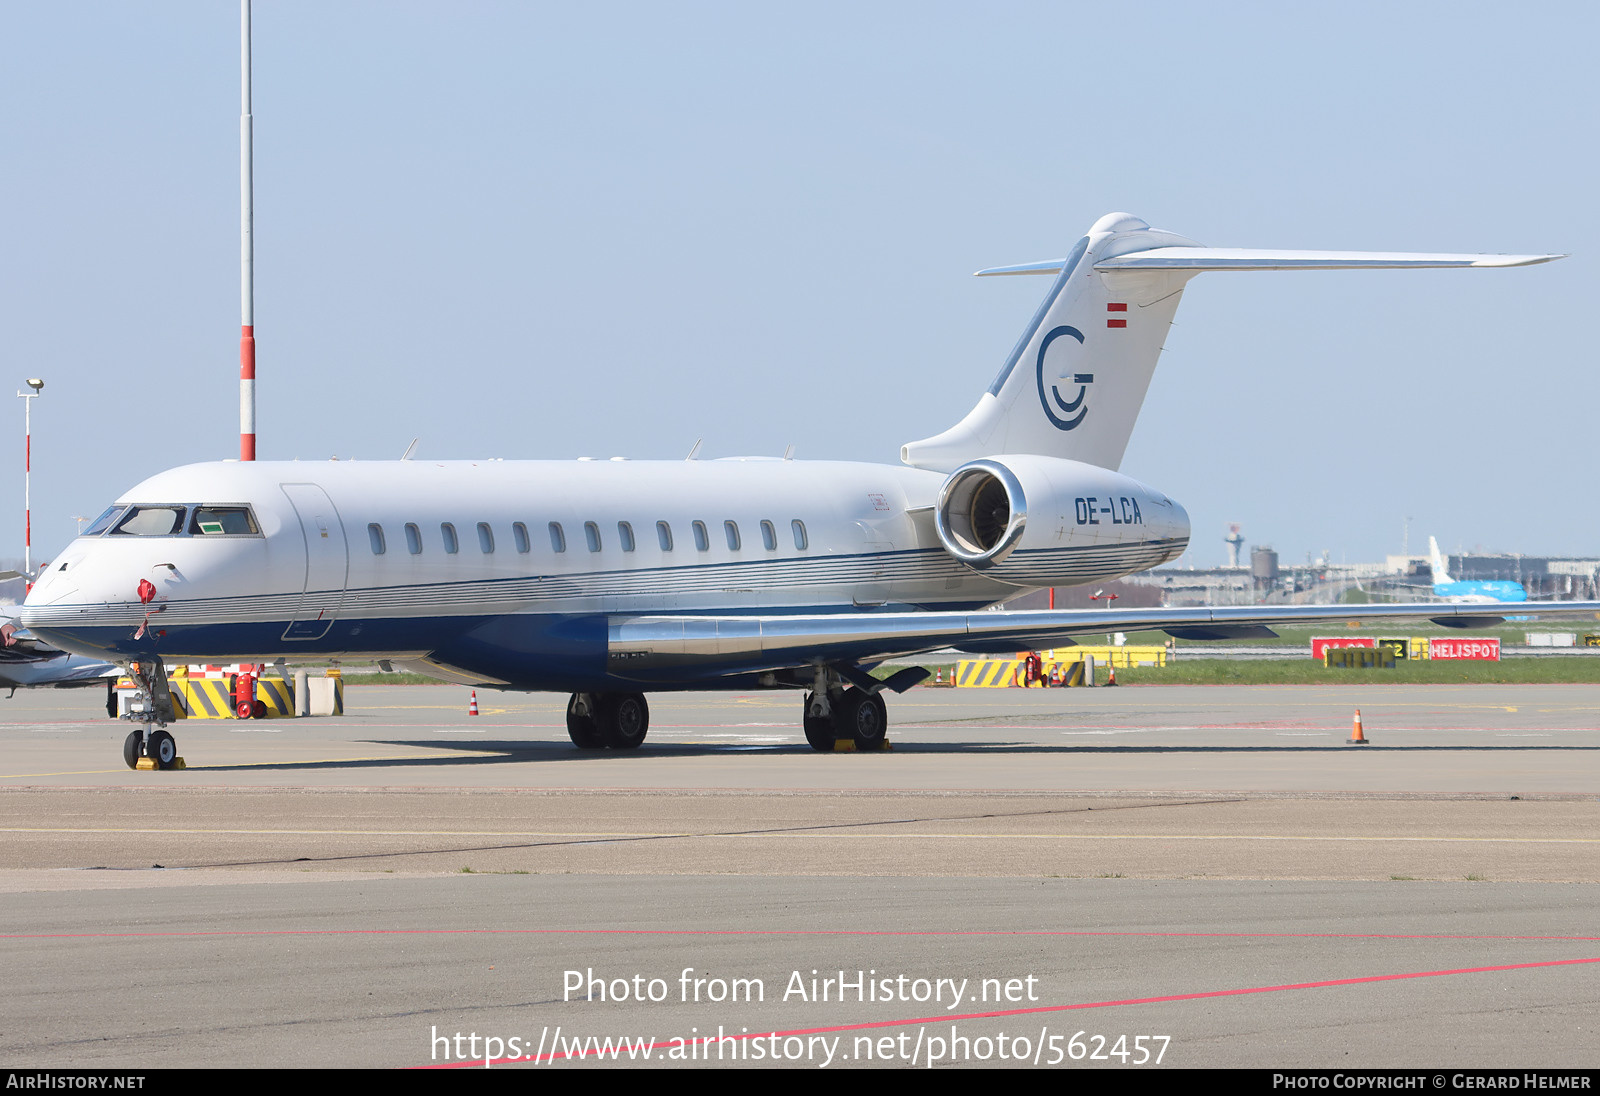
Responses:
[1187,876]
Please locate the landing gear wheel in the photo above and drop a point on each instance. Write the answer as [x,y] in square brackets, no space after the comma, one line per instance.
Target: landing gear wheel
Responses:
[864,718]
[820,731]
[132,747]
[583,729]
[624,718]
[162,749]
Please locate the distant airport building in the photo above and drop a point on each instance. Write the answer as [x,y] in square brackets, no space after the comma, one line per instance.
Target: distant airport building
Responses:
[1397,578]
[1543,577]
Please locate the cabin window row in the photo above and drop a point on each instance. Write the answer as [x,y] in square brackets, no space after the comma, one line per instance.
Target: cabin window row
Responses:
[593,538]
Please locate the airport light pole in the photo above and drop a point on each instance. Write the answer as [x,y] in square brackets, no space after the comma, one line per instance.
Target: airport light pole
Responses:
[27,474]
[247,319]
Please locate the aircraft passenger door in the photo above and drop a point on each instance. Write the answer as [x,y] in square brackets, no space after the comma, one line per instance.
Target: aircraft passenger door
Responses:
[327,562]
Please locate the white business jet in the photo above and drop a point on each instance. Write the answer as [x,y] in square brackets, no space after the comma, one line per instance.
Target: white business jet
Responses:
[611,579]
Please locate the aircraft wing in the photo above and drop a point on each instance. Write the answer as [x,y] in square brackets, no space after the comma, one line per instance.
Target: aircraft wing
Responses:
[26,662]
[662,647]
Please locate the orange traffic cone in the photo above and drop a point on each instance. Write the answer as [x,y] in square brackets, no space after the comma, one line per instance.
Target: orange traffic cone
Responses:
[938,676]
[1357,738]
[1112,680]
[472,705]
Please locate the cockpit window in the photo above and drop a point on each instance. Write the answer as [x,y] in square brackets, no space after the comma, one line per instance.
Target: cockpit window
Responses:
[222,520]
[103,522]
[151,521]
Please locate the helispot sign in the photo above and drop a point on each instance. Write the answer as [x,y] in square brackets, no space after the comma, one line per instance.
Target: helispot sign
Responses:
[1478,648]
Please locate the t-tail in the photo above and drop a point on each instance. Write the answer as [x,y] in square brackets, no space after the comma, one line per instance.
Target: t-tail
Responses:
[1073,385]
[1441,577]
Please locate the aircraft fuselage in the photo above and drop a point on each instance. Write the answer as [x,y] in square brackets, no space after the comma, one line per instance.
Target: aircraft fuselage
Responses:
[520,573]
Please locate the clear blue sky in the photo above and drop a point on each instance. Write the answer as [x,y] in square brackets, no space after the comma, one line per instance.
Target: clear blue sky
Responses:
[552,230]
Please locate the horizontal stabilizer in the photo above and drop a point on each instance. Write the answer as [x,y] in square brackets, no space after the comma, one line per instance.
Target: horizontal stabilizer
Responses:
[1197,259]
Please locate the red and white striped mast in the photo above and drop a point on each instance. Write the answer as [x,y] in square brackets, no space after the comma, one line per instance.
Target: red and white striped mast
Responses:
[27,477]
[247,261]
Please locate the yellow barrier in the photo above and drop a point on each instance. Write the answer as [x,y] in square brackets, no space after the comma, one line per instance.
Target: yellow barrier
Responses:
[207,698]
[1006,673]
[989,673]
[1120,657]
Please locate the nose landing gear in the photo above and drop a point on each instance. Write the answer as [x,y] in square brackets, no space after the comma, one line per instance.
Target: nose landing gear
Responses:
[149,745]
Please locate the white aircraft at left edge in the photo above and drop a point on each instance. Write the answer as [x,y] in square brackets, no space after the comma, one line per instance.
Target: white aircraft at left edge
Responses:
[611,579]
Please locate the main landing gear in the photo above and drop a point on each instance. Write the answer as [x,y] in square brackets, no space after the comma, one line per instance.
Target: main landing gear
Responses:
[599,720]
[151,709]
[834,713]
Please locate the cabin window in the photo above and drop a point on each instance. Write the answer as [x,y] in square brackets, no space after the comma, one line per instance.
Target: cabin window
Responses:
[485,537]
[702,540]
[799,528]
[591,533]
[103,522]
[558,539]
[451,543]
[222,521]
[375,535]
[625,536]
[769,536]
[413,539]
[731,530]
[664,535]
[151,521]
[519,533]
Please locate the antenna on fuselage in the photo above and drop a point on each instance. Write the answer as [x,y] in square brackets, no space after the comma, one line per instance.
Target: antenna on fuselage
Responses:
[407,454]
[695,450]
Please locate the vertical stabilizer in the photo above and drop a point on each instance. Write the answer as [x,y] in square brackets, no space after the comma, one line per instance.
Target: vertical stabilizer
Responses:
[1073,385]
[1440,574]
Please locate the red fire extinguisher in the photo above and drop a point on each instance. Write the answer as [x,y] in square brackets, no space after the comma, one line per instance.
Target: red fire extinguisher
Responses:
[244,694]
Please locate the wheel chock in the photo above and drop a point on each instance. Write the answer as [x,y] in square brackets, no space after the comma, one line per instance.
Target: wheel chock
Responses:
[147,764]
[177,763]
[848,745]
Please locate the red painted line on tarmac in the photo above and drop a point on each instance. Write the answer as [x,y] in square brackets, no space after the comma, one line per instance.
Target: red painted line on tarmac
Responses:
[878,933]
[1047,1009]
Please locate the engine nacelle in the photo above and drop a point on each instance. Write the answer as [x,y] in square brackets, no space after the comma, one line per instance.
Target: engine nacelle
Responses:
[1043,521]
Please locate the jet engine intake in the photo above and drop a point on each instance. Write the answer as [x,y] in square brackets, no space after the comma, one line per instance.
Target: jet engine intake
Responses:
[1045,521]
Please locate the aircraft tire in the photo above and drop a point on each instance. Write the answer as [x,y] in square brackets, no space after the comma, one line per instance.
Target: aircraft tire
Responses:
[820,729]
[864,718]
[582,729]
[130,749]
[624,720]
[162,748]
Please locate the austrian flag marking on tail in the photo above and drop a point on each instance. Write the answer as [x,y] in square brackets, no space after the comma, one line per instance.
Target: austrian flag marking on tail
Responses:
[1116,307]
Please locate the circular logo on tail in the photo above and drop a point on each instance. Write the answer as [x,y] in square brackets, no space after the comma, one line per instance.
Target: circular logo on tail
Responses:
[1066,414]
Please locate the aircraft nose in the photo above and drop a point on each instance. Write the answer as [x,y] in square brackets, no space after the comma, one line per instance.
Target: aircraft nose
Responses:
[73,606]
